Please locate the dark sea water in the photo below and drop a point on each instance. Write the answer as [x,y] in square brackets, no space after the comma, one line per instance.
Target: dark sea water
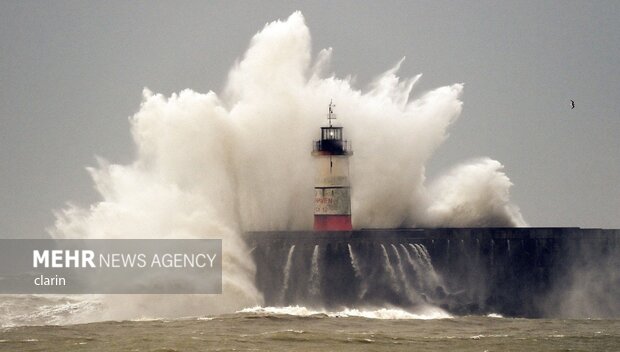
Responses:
[266,331]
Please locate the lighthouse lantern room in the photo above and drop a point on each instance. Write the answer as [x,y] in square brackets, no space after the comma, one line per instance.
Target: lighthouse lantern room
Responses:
[332,190]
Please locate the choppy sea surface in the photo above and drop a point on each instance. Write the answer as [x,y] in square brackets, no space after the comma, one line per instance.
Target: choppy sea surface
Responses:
[301,329]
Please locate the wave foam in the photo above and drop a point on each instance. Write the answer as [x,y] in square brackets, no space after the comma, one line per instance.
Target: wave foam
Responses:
[494,315]
[425,313]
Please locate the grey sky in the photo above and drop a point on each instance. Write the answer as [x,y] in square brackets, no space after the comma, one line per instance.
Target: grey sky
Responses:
[72,72]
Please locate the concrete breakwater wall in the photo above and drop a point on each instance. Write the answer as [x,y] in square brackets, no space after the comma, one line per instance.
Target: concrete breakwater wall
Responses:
[528,272]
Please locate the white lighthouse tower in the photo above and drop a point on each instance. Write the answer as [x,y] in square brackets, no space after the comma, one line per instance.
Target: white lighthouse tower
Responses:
[332,190]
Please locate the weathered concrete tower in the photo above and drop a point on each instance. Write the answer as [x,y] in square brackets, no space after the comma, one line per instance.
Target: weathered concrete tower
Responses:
[332,190]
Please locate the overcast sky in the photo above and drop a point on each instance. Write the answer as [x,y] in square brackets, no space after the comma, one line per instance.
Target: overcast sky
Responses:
[72,73]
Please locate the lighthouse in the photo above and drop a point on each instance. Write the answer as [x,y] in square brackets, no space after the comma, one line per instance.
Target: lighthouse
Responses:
[332,190]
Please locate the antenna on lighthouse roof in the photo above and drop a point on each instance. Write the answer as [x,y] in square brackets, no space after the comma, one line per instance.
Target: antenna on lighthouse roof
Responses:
[331,116]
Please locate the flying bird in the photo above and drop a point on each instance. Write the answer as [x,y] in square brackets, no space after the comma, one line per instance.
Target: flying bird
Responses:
[572,104]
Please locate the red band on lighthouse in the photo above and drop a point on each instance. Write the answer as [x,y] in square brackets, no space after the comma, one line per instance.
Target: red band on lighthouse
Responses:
[332,223]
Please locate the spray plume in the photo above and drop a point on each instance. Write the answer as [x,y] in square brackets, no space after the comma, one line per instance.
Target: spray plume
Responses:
[211,165]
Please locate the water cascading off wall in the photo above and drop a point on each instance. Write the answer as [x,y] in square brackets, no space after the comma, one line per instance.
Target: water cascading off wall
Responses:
[511,271]
[349,275]
[315,278]
[287,273]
